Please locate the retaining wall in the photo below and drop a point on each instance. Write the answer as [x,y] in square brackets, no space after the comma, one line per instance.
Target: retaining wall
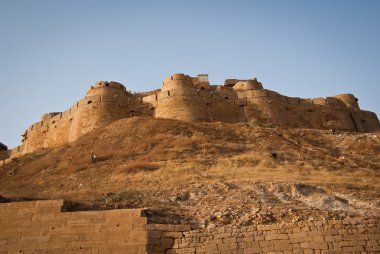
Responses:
[357,235]
[41,227]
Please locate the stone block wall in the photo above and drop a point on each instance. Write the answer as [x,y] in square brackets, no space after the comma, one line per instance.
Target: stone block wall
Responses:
[357,235]
[41,227]
[336,113]
[101,106]
[180,98]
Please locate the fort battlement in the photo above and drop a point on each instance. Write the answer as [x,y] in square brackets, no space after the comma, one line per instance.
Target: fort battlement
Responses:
[193,99]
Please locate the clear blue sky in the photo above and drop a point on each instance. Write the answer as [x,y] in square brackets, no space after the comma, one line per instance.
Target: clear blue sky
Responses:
[51,51]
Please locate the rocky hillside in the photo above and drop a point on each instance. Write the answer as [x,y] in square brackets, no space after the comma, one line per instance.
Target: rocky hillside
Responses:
[206,174]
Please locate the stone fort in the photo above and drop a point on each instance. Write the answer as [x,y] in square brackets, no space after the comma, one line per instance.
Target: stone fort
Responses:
[193,99]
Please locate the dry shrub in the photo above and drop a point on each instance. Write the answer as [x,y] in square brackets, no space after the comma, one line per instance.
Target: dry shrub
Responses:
[184,144]
[135,167]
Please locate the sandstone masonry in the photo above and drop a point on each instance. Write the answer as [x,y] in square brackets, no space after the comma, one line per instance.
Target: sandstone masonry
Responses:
[42,227]
[355,235]
[193,99]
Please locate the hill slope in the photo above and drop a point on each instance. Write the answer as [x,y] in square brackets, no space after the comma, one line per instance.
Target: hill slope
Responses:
[206,174]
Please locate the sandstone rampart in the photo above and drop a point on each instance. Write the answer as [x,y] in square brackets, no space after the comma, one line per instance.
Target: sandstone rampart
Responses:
[246,100]
[103,104]
[190,99]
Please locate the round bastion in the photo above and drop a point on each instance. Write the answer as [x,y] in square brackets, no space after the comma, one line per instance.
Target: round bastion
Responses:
[105,87]
[349,99]
[49,115]
[177,80]
[251,84]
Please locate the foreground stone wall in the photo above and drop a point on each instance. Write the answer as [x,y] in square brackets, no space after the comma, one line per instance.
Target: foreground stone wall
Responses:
[41,227]
[358,235]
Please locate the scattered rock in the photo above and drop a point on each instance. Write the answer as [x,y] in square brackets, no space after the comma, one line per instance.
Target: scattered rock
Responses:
[12,172]
[211,226]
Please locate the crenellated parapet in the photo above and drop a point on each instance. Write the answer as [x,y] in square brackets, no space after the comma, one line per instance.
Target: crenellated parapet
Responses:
[193,99]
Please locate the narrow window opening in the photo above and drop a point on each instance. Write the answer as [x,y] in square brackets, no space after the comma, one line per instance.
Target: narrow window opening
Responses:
[89,102]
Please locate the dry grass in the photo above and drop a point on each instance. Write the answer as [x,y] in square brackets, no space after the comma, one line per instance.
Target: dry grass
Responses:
[135,167]
[131,151]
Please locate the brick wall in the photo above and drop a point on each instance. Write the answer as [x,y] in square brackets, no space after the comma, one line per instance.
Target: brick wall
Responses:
[358,235]
[41,227]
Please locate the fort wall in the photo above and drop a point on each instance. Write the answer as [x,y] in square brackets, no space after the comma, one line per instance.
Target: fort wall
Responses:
[103,104]
[190,99]
[43,227]
[246,100]
[180,99]
[271,108]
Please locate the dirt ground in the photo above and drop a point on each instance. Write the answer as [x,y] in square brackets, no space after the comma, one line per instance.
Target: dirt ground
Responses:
[206,174]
